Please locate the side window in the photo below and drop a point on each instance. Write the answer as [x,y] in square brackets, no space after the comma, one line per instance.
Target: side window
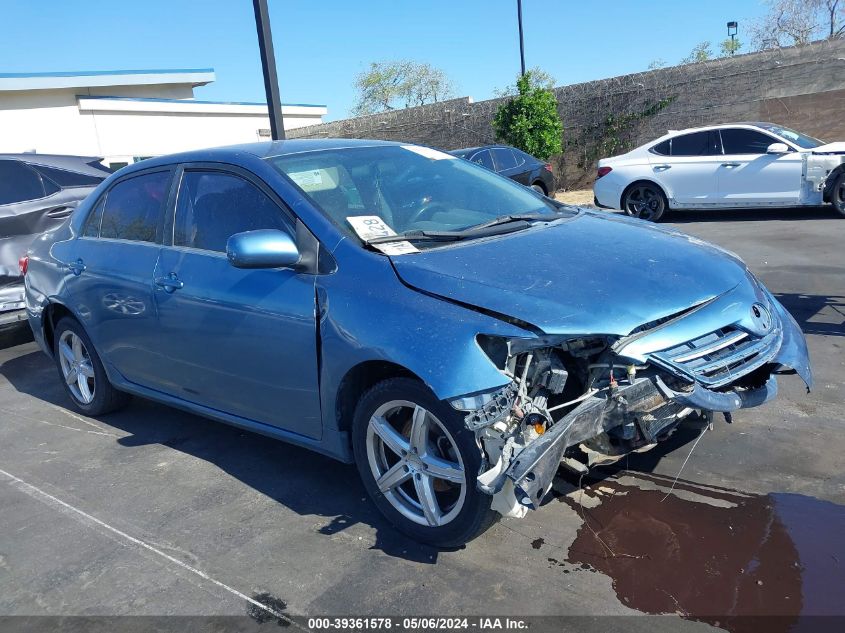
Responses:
[213,206]
[65,178]
[741,141]
[133,207]
[661,148]
[92,222]
[483,158]
[695,144]
[19,183]
[521,157]
[504,158]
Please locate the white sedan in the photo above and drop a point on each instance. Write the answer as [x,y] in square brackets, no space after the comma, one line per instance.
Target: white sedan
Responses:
[723,167]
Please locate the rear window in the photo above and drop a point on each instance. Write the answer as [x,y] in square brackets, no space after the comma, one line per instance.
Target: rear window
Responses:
[662,148]
[19,183]
[65,178]
[695,144]
[504,158]
[134,206]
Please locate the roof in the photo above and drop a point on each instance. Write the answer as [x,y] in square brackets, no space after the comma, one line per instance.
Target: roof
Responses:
[81,164]
[98,78]
[265,149]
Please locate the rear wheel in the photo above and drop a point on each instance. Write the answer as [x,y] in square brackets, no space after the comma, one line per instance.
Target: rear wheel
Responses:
[837,196]
[419,463]
[539,188]
[82,372]
[645,201]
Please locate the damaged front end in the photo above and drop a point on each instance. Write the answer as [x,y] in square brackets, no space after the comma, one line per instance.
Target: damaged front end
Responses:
[582,401]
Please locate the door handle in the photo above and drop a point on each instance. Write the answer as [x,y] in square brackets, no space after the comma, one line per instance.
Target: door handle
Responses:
[169,283]
[76,267]
[731,164]
[662,167]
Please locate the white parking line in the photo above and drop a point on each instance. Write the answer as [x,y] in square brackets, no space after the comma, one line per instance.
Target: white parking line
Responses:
[45,497]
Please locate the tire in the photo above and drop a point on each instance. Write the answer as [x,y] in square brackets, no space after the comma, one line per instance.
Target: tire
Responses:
[837,194]
[539,189]
[386,419]
[91,393]
[645,200]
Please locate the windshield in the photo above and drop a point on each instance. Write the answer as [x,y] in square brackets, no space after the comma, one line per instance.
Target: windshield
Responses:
[801,140]
[409,188]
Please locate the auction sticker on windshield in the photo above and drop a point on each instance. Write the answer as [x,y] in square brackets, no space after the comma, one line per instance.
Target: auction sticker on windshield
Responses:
[369,227]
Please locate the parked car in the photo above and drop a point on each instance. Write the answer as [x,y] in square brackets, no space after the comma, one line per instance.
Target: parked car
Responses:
[732,166]
[513,163]
[454,334]
[37,194]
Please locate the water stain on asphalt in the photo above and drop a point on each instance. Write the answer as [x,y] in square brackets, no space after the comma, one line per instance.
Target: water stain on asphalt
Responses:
[537,543]
[713,554]
[269,600]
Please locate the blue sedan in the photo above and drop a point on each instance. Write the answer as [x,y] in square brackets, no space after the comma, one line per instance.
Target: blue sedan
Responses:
[454,334]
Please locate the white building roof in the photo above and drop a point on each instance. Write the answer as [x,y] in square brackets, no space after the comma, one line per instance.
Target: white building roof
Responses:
[98,78]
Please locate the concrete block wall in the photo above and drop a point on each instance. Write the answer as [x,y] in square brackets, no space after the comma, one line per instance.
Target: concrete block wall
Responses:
[800,87]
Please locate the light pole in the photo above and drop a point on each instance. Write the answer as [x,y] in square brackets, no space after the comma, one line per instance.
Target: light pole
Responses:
[521,43]
[268,65]
[732,29]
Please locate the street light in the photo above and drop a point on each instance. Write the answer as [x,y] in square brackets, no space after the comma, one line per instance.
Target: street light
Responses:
[521,43]
[732,29]
[268,66]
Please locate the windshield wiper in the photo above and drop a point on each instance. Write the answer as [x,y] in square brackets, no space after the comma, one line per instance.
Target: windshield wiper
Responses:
[482,230]
[516,217]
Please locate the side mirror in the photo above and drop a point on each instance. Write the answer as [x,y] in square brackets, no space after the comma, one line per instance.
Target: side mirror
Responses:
[266,248]
[777,148]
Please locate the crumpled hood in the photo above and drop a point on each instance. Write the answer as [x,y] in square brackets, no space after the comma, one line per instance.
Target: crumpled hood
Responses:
[592,274]
[837,147]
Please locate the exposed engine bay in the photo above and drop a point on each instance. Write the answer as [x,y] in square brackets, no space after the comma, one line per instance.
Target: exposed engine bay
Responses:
[576,403]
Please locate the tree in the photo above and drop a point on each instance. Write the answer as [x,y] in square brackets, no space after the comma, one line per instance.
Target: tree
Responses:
[399,84]
[797,22]
[729,46]
[701,52]
[529,120]
[538,78]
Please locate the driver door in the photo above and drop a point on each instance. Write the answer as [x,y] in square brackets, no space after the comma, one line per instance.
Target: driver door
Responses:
[239,341]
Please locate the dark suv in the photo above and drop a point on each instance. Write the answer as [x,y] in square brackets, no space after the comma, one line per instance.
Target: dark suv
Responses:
[513,163]
[37,193]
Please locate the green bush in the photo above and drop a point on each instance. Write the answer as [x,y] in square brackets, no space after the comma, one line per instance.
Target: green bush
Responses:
[530,121]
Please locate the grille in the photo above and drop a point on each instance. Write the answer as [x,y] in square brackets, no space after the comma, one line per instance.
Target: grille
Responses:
[721,357]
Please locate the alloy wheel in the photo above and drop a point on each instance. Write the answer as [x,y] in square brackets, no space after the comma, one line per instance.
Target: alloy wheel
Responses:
[643,202]
[416,463]
[77,368]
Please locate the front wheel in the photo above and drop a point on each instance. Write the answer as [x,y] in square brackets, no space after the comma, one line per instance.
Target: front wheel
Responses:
[644,201]
[419,463]
[837,197]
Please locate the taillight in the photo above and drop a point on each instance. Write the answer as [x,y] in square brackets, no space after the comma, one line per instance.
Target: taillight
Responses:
[604,171]
[548,166]
[23,264]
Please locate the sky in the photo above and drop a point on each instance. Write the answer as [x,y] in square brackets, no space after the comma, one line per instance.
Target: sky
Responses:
[321,46]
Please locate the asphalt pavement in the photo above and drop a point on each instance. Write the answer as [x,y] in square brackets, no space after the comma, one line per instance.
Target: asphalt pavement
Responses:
[153,511]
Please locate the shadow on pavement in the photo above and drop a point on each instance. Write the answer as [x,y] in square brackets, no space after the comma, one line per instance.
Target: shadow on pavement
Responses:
[15,335]
[299,479]
[816,314]
[751,215]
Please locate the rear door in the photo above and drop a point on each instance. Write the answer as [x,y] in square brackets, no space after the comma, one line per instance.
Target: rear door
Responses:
[688,173]
[239,341]
[108,275]
[748,175]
